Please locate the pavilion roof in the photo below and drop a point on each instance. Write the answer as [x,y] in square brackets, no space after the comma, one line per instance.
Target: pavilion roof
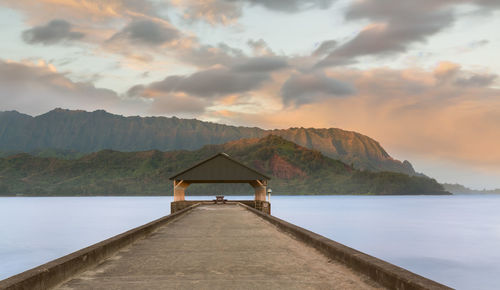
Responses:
[220,168]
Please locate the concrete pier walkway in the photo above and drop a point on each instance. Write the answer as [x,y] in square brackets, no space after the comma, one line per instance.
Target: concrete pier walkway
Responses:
[219,247]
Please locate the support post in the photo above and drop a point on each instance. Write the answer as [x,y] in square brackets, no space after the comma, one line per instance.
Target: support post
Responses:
[180,190]
[260,189]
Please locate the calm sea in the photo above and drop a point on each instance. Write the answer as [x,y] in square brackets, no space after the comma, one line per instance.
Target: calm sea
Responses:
[452,239]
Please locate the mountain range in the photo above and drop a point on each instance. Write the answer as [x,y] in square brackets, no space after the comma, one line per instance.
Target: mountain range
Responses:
[73,133]
[294,169]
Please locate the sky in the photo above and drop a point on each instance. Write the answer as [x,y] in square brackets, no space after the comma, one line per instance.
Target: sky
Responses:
[420,77]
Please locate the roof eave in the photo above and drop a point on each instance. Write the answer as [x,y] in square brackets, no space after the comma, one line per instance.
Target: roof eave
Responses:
[210,158]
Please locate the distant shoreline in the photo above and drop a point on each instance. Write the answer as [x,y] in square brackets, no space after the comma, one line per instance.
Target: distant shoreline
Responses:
[193,196]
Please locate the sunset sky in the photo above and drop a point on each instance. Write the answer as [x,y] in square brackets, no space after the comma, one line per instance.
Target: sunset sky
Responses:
[420,77]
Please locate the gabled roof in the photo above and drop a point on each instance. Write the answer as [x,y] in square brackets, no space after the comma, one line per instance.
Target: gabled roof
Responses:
[220,168]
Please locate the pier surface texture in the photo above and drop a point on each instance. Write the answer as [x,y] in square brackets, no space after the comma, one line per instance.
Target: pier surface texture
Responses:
[219,247]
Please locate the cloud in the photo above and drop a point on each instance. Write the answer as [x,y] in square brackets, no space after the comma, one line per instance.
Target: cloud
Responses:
[395,25]
[98,20]
[208,83]
[211,11]
[231,85]
[302,89]
[53,32]
[85,11]
[325,47]
[484,80]
[143,40]
[479,43]
[146,32]
[227,12]
[178,104]
[168,101]
[205,56]
[261,64]
[446,70]
[291,6]
[225,73]
[38,88]
[260,47]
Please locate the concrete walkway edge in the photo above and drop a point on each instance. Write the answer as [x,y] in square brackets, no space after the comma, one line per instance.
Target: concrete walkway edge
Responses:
[385,273]
[59,270]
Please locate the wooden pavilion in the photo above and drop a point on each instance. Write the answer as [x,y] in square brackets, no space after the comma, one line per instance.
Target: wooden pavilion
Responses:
[220,168]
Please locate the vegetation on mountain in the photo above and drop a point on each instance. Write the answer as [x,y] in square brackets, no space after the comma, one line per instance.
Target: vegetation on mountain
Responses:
[60,131]
[294,170]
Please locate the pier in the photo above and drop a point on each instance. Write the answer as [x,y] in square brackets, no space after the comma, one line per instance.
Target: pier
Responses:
[218,245]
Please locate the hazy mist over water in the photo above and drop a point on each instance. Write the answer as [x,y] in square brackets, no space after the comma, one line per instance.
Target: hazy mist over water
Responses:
[451,239]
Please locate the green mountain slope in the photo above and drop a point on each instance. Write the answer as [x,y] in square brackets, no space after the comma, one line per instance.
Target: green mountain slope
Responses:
[88,132]
[294,170]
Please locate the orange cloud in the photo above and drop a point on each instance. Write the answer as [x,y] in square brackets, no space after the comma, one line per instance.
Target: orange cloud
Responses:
[408,111]
[445,69]
[82,10]
[212,11]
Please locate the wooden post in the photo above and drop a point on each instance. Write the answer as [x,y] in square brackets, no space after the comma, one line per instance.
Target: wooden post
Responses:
[260,189]
[180,190]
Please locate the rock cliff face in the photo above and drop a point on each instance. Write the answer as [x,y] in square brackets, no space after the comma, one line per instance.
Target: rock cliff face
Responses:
[283,169]
[87,132]
[352,148]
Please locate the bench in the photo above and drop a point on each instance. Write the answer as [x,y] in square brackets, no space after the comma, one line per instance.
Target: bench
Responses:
[219,199]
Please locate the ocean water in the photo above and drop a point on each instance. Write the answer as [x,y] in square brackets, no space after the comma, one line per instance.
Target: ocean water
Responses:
[454,240]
